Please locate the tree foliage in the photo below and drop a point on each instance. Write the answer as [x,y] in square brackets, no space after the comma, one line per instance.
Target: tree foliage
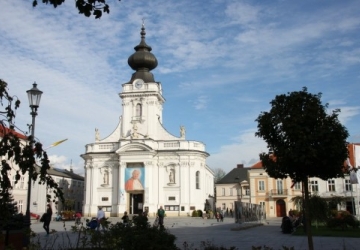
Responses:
[304,141]
[19,154]
[85,7]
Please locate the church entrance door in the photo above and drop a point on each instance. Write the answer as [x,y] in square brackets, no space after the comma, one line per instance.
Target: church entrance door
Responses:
[136,203]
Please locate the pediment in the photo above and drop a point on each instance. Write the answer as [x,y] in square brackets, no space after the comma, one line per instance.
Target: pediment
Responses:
[134,147]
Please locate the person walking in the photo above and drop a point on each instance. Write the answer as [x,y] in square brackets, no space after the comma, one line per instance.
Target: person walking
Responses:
[100,218]
[47,219]
[77,218]
[125,218]
[161,214]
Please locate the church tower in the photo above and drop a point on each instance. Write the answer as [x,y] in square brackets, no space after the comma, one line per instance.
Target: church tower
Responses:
[141,166]
[142,99]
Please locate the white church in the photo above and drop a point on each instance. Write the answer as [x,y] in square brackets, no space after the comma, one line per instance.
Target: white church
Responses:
[141,166]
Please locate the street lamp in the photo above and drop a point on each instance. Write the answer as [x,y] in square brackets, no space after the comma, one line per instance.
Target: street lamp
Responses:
[34,96]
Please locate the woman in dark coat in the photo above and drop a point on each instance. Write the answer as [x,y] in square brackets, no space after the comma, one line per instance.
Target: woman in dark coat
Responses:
[47,219]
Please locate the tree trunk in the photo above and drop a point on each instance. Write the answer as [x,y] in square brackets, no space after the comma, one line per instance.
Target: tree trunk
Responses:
[307,215]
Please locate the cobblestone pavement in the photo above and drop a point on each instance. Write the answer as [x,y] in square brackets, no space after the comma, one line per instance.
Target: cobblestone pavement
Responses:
[227,234]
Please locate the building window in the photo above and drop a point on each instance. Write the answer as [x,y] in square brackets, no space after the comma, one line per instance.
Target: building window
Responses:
[279,185]
[171,198]
[314,187]
[197,180]
[13,181]
[348,186]
[261,185]
[331,184]
[22,182]
[247,191]
[223,191]
[223,206]
[262,203]
[20,206]
[239,191]
[138,110]
[104,198]
[297,186]
[231,192]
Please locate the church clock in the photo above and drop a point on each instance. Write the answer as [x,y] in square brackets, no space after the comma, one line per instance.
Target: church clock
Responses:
[138,83]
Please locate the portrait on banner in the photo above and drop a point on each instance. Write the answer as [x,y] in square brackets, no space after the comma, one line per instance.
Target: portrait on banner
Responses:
[134,179]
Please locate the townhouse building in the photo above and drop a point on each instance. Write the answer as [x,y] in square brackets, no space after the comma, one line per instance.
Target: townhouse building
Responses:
[254,185]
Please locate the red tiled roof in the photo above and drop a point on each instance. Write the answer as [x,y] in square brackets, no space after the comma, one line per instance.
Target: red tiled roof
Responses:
[4,130]
[257,165]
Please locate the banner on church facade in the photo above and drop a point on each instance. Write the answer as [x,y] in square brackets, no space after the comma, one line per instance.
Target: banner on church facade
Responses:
[134,178]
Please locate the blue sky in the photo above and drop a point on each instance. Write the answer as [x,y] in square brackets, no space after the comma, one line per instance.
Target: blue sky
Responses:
[220,65]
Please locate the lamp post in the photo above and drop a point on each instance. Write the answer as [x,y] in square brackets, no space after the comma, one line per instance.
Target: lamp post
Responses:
[34,96]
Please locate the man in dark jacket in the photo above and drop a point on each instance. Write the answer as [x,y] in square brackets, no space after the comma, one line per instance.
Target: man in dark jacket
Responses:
[161,215]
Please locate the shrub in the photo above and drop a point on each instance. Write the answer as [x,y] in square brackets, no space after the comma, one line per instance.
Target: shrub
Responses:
[137,235]
[200,213]
[343,219]
[194,213]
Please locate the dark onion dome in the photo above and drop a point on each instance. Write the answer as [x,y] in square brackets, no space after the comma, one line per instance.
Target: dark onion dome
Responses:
[142,61]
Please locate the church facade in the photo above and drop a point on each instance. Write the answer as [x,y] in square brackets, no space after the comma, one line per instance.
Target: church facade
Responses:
[141,166]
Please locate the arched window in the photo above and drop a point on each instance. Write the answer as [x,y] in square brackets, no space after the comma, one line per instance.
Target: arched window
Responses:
[138,110]
[197,180]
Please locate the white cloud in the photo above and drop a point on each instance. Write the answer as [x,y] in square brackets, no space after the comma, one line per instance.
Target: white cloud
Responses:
[245,150]
[201,102]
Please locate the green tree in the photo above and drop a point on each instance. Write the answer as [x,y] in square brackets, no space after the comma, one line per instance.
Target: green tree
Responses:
[304,141]
[85,7]
[14,151]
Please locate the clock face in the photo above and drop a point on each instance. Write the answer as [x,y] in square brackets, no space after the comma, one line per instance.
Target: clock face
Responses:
[138,83]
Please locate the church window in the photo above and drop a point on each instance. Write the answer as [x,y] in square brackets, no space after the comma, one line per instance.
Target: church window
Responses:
[138,110]
[197,180]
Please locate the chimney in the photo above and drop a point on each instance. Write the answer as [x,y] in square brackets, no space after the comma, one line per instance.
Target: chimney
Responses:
[240,166]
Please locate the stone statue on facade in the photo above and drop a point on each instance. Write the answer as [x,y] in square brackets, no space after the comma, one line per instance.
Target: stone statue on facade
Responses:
[135,134]
[106,177]
[97,135]
[172,176]
[182,131]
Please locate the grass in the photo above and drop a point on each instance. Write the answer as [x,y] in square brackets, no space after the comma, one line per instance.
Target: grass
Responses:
[330,232]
